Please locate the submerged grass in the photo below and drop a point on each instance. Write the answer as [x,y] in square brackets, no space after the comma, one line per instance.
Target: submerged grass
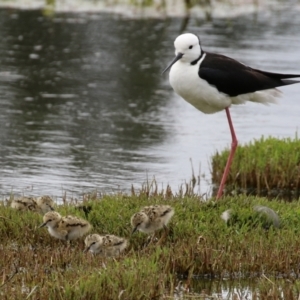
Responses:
[264,167]
[199,245]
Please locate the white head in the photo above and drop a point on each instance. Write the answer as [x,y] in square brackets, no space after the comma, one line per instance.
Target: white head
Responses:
[187,49]
[188,45]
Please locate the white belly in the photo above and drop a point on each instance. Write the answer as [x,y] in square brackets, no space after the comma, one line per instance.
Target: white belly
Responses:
[57,234]
[186,82]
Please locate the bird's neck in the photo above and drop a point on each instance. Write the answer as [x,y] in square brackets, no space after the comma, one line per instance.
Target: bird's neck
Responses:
[194,62]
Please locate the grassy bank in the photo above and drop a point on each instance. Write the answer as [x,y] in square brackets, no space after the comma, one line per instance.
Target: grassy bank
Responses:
[199,245]
[265,167]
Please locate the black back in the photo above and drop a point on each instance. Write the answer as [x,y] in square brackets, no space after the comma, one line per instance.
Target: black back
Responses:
[233,78]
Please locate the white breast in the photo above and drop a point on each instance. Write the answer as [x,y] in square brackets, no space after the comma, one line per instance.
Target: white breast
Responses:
[57,234]
[186,82]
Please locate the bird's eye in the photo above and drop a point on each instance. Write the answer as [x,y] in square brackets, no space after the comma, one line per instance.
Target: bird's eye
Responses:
[190,47]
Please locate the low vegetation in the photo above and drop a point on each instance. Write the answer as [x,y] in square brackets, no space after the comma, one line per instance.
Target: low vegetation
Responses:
[265,167]
[199,246]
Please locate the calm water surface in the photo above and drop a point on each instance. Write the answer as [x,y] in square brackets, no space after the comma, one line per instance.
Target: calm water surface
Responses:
[84,105]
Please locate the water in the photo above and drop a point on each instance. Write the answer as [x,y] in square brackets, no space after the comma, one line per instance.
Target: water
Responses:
[84,105]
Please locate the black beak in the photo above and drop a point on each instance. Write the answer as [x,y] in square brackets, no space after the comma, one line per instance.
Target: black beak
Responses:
[134,230]
[86,249]
[178,56]
[44,224]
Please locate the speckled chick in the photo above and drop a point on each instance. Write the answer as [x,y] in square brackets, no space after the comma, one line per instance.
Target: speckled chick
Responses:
[106,245]
[41,204]
[24,203]
[45,203]
[152,218]
[65,228]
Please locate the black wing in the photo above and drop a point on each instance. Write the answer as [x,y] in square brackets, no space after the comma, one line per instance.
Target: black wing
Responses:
[233,78]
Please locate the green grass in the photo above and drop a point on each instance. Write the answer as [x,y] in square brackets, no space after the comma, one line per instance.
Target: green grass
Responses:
[264,167]
[199,245]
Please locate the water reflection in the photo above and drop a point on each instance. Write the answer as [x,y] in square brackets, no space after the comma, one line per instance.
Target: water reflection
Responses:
[262,287]
[84,105]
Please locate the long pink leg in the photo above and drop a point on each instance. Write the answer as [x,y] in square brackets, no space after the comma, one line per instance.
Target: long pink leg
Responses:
[234,144]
